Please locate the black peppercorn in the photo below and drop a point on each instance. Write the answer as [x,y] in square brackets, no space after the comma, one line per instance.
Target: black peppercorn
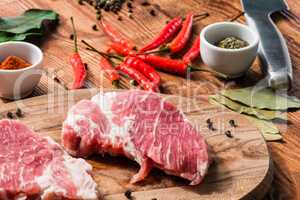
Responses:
[145,3]
[152,12]
[10,115]
[71,37]
[19,112]
[129,4]
[211,127]
[80,2]
[95,28]
[232,123]
[228,134]
[130,16]
[128,194]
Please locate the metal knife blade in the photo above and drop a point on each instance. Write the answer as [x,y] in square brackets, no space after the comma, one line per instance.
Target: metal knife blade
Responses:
[266,6]
[273,50]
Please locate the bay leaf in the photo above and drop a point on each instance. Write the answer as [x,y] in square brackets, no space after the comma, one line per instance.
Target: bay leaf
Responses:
[244,109]
[272,137]
[264,98]
[4,37]
[30,19]
[267,129]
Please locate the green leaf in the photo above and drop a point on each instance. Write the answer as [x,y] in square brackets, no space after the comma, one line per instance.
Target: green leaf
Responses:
[244,109]
[4,37]
[272,137]
[267,128]
[31,19]
[261,98]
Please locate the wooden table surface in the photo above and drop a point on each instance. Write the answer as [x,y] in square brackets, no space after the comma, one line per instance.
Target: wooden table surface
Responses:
[58,73]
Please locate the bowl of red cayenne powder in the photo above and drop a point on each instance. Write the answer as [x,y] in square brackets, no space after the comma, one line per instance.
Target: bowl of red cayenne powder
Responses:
[20,69]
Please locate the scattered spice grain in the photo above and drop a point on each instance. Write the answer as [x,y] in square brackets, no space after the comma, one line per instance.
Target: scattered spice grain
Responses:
[232,123]
[208,121]
[129,4]
[120,18]
[19,113]
[210,125]
[144,2]
[80,2]
[72,37]
[128,194]
[152,12]
[10,115]
[95,28]
[228,134]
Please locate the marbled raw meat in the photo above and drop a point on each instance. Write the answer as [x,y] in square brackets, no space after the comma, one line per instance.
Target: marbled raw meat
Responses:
[141,126]
[35,167]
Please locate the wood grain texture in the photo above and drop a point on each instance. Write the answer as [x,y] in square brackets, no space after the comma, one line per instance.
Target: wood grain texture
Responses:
[241,168]
[141,29]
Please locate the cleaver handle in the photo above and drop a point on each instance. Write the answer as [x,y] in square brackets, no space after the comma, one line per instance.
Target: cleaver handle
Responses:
[273,51]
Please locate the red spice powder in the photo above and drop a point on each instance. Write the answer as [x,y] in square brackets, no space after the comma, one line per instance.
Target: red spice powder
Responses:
[14,62]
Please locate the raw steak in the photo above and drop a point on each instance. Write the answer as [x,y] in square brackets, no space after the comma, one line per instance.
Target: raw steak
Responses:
[35,167]
[141,126]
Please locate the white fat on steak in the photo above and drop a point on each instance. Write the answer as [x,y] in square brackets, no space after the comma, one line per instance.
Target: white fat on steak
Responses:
[141,126]
[43,169]
[103,100]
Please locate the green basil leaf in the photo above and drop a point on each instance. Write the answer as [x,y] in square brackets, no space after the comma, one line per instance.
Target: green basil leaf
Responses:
[31,19]
[261,99]
[244,109]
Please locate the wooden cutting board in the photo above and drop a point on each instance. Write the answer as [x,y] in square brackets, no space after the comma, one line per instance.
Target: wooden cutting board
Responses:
[241,170]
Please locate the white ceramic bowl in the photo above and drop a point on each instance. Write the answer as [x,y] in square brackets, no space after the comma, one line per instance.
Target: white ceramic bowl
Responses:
[232,62]
[15,84]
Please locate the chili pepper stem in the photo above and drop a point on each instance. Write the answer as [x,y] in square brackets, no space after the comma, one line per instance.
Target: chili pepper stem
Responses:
[115,83]
[192,68]
[201,16]
[106,55]
[75,35]
[163,49]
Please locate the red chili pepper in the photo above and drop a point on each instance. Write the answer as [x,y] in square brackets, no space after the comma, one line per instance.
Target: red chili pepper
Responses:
[122,50]
[112,73]
[130,61]
[180,41]
[115,35]
[144,68]
[165,64]
[193,53]
[165,35]
[77,64]
[137,76]
[175,66]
